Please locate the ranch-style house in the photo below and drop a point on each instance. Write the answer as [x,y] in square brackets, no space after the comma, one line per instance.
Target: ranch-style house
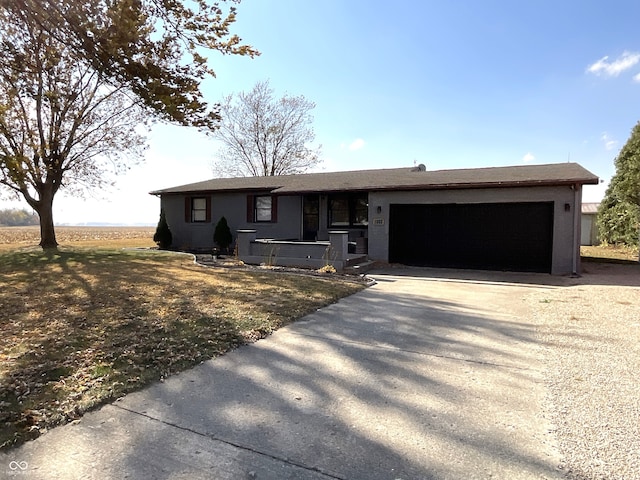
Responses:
[518,218]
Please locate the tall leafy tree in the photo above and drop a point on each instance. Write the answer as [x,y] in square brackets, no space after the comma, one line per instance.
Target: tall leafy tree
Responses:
[78,81]
[617,220]
[262,135]
[60,123]
[154,47]
[619,213]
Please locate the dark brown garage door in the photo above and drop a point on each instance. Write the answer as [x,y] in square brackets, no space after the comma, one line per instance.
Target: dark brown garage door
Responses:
[488,236]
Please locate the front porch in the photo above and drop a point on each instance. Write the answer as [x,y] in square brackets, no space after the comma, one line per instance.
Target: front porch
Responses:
[304,254]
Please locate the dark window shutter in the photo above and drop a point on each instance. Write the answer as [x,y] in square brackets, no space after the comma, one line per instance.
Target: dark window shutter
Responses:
[187,209]
[274,208]
[250,208]
[208,213]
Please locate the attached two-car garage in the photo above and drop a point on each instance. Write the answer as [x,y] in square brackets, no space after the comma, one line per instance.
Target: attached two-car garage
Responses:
[514,236]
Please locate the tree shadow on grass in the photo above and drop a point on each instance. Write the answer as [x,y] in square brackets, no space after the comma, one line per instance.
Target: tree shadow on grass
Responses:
[384,384]
[377,386]
[77,334]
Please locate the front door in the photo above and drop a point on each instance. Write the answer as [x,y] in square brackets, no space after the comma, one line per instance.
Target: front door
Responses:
[310,217]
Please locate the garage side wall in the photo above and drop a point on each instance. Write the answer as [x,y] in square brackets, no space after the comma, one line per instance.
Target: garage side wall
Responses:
[233,206]
[565,237]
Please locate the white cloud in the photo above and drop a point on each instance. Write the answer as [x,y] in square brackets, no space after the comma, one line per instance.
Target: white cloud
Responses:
[614,68]
[636,78]
[609,143]
[529,157]
[357,144]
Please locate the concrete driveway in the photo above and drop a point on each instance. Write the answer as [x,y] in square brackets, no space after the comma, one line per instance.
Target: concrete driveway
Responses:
[414,378]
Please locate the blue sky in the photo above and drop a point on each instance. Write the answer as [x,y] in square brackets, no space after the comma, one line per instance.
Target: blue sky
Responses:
[453,84]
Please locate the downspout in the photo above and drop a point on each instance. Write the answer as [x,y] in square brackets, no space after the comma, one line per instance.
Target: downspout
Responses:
[577,210]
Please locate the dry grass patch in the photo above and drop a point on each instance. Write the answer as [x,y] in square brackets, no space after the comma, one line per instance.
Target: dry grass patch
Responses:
[81,327]
[608,253]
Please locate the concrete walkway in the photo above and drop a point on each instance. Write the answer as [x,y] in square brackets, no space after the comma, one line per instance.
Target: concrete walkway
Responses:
[414,378]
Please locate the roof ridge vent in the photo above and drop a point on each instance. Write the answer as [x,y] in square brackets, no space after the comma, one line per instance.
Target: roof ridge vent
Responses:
[419,168]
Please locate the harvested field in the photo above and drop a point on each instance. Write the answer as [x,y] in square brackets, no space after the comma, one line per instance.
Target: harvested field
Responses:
[115,237]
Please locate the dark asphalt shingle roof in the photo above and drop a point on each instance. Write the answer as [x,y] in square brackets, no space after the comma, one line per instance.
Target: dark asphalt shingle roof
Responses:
[398,179]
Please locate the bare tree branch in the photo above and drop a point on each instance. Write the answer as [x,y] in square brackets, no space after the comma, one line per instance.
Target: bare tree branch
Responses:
[265,136]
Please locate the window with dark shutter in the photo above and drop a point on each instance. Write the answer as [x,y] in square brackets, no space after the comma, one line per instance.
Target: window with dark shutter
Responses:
[262,208]
[197,209]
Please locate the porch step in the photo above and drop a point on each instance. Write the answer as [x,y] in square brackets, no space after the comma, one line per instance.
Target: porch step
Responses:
[353,259]
[359,268]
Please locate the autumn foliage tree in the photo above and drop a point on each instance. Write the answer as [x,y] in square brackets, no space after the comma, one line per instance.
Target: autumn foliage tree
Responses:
[262,135]
[79,80]
[60,123]
[155,47]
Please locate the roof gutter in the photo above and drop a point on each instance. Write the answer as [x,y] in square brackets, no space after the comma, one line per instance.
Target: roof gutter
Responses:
[209,191]
[441,186]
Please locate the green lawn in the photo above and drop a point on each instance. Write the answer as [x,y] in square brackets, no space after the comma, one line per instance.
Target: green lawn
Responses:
[84,326]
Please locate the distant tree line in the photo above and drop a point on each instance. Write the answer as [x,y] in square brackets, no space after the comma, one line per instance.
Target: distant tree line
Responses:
[18,218]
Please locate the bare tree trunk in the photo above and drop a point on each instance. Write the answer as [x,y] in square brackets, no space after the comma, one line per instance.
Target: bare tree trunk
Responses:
[45,211]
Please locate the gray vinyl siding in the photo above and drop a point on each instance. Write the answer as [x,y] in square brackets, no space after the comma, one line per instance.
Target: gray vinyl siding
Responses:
[233,206]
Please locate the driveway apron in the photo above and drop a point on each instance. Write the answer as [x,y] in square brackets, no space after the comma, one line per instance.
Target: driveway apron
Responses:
[414,378]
